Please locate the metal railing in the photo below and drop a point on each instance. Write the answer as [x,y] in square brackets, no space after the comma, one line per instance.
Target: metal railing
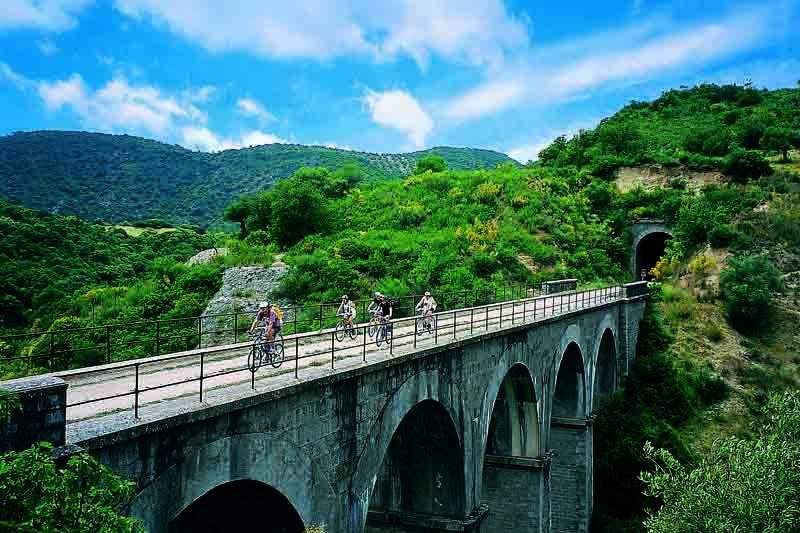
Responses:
[320,347]
[92,345]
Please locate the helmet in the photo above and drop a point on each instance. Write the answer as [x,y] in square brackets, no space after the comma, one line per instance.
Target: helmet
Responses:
[378,294]
[427,293]
[263,305]
[344,297]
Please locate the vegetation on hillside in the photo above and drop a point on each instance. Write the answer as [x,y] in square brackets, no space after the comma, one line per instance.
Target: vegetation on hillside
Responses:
[120,177]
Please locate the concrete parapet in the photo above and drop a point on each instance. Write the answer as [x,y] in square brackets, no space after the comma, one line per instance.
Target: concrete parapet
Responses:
[41,416]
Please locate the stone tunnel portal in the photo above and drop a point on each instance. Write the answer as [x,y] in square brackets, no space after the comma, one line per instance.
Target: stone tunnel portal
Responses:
[239,507]
[650,249]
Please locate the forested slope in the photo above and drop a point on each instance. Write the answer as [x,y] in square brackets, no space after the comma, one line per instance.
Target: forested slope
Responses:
[120,177]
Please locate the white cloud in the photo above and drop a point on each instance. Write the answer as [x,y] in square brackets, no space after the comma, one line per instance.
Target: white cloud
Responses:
[559,73]
[251,108]
[47,15]
[400,111]
[47,47]
[527,152]
[119,105]
[201,138]
[480,32]
[9,74]
[200,95]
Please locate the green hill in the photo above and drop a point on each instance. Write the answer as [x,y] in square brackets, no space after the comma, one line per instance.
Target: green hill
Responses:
[120,177]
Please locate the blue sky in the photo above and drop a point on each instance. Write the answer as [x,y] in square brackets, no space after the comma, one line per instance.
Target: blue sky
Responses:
[377,76]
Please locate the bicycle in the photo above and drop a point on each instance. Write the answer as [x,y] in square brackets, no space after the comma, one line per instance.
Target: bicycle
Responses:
[426,323]
[383,333]
[374,323]
[265,352]
[345,328]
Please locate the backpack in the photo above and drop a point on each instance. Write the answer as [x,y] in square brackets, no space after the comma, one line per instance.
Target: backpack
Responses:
[278,314]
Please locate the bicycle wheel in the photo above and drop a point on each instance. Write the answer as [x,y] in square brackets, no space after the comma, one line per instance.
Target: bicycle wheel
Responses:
[372,329]
[421,326]
[252,357]
[277,354]
[340,330]
[380,335]
[352,331]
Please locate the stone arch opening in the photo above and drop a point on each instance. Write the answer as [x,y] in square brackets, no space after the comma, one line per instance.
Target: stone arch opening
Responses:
[605,370]
[422,473]
[570,438]
[649,250]
[514,424]
[514,479]
[569,400]
[239,506]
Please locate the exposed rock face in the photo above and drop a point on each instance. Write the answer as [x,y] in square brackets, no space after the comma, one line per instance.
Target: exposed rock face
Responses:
[206,255]
[242,290]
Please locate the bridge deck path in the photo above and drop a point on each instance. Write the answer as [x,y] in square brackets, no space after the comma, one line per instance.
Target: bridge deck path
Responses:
[170,385]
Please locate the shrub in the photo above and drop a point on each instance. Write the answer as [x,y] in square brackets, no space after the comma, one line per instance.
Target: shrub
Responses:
[713,332]
[721,236]
[432,163]
[748,285]
[742,165]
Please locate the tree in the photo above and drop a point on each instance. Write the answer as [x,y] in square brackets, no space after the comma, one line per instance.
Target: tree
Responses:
[82,497]
[741,485]
[748,286]
[781,140]
[432,163]
[742,165]
[299,209]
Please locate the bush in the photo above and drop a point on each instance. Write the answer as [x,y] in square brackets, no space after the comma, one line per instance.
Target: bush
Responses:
[748,286]
[432,163]
[721,236]
[742,165]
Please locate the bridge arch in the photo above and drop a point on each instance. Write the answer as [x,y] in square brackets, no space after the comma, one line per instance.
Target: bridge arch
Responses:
[256,458]
[420,408]
[605,367]
[246,504]
[513,428]
[569,393]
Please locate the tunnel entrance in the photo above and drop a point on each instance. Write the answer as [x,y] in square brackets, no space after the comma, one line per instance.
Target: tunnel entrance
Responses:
[422,472]
[649,250]
[240,506]
[605,372]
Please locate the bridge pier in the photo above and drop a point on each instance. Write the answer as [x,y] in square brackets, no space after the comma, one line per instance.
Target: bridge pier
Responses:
[517,492]
[571,474]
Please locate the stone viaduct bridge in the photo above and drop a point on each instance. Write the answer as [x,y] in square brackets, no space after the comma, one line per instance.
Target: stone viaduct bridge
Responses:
[486,428]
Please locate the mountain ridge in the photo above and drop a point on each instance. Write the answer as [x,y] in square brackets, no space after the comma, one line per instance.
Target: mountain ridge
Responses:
[125,177]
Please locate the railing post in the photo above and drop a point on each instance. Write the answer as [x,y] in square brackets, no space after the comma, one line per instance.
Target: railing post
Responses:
[296,355]
[364,349]
[136,393]
[471,317]
[455,316]
[487,318]
[236,327]
[513,310]
[501,314]
[414,324]
[333,349]
[202,365]
[199,332]
[391,338]
[108,344]
[320,317]
[524,311]
[158,337]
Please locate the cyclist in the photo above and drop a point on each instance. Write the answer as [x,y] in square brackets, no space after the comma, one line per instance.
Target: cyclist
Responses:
[267,315]
[375,304]
[427,305]
[385,308]
[347,310]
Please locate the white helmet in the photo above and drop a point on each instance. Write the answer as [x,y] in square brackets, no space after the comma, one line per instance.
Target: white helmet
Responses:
[263,305]
[427,293]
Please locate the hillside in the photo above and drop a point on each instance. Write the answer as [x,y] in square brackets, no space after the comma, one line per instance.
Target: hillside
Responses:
[120,177]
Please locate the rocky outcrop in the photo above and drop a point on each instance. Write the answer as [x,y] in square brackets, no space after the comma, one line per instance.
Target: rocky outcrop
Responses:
[206,255]
[237,301]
